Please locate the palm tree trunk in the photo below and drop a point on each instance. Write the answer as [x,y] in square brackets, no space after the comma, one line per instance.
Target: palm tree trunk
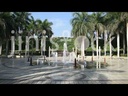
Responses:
[32,47]
[25,50]
[124,43]
[7,43]
[82,47]
[20,45]
[27,47]
[97,43]
[127,39]
[118,45]
[12,45]
[92,44]
[110,46]
[44,45]
[105,43]
[41,46]
[0,47]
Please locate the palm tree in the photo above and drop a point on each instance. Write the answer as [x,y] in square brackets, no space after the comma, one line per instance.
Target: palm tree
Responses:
[2,29]
[30,31]
[79,23]
[96,24]
[91,28]
[12,21]
[45,25]
[116,25]
[37,26]
[22,21]
[7,17]
[122,22]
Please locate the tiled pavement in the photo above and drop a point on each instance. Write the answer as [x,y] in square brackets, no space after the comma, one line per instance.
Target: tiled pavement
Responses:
[18,71]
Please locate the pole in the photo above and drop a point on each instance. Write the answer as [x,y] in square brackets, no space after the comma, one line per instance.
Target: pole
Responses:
[41,46]
[110,46]
[92,58]
[127,39]
[99,57]
[75,63]
[123,43]
[12,43]
[76,52]
[49,55]
[97,43]
[20,45]
[99,52]
[30,61]
[118,45]
[105,42]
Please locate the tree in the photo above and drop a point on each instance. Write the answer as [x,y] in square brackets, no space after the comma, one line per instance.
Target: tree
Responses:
[99,27]
[2,29]
[45,25]
[116,22]
[7,17]
[79,27]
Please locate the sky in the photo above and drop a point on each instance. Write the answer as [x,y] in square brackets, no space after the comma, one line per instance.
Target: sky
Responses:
[61,22]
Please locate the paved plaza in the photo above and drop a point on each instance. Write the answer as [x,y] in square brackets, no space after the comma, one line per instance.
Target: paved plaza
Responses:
[19,71]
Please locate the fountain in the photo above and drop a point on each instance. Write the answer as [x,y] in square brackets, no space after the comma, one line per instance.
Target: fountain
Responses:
[56,56]
[98,62]
[64,60]
[67,59]
[64,53]
[72,56]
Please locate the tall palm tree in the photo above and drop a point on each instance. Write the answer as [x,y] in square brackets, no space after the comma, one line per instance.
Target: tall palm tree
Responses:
[45,25]
[91,28]
[96,24]
[37,26]
[22,21]
[79,25]
[2,29]
[30,31]
[14,20]
[117,25]
[122,22]
[7,17]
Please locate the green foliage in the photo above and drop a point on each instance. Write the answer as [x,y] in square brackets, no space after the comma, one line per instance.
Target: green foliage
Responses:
[60,42]
[89,49]
[24,21]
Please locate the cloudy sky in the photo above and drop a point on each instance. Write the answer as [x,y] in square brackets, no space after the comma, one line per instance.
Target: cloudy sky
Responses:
[61,21]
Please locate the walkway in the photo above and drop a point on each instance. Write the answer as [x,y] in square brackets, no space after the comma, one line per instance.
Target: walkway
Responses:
[19,71]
